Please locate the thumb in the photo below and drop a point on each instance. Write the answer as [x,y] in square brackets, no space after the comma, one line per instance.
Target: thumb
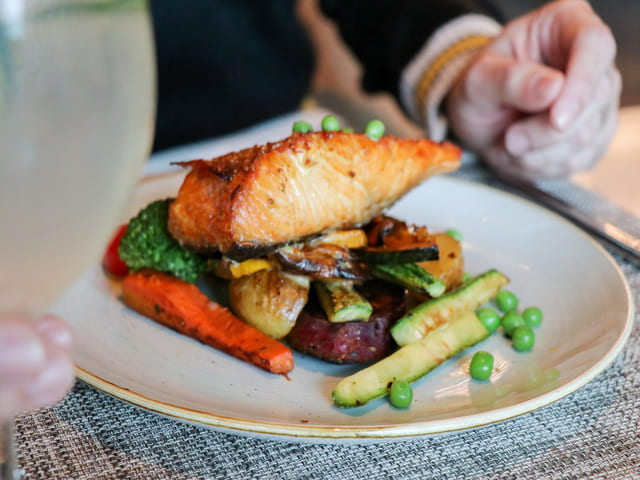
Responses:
[23,355]
[496,80]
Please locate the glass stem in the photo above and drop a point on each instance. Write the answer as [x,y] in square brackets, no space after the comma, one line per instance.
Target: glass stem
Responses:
[8,466]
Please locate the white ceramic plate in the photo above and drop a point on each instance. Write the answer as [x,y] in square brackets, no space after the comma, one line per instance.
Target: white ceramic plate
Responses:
[584,296]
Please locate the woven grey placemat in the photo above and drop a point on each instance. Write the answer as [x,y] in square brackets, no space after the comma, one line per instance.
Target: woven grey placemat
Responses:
[593,433]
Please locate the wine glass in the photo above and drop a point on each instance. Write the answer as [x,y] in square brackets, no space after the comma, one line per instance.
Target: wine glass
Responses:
[77,109]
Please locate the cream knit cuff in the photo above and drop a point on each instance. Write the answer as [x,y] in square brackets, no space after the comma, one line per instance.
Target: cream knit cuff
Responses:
[427,79]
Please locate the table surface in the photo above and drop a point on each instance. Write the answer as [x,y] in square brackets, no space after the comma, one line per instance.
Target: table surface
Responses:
[616,176]
[592,433]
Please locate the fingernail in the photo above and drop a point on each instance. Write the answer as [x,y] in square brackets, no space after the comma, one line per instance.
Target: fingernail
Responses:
[55,331]
[547,87]
[565,112]
[22,353]
[54,381]
[517,142]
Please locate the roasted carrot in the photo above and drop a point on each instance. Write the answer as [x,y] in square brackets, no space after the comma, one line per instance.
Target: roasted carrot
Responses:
[184,308]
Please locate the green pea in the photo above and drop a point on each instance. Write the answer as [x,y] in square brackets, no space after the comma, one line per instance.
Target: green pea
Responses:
[347,130]
[523,339]
[400,394]
[330,124]
[510,321]
[302,127]
[481,365]
[506,301]
[532,317]
[374,129]
[489,318]
[455,234]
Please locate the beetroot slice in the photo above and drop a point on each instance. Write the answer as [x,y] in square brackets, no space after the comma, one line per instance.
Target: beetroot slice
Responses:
[350,342]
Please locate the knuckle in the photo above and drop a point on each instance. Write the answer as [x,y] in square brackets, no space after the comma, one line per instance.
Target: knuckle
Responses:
[600,36]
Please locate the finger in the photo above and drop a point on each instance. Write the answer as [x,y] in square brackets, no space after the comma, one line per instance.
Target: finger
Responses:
[499,159]
[558,160]
[495,80]
[54,381]
[23,355]
[608,131]
[54,330]
[538,131]
[11,403]
[572,155]
[592,49]
[535,169]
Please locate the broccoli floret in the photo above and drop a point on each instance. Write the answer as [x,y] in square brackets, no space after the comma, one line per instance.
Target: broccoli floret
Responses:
[147,243]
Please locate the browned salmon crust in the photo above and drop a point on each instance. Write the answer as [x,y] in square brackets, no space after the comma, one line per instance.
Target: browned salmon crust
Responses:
[303,185]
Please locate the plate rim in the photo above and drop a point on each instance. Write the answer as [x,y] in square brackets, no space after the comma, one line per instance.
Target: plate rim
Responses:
[279,430]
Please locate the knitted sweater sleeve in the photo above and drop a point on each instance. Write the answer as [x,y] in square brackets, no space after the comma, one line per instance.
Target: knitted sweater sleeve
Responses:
[414,49]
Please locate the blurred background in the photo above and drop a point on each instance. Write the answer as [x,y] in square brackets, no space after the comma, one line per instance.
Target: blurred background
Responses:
[338,73]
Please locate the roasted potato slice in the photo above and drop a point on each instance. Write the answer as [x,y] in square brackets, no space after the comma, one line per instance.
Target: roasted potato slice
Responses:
[269,300]
[450,266]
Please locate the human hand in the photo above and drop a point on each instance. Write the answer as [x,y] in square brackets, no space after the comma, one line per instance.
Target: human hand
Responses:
[541,100]
[35,364]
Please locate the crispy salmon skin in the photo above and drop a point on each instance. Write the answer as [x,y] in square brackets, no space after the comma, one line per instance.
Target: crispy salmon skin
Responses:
[303,185]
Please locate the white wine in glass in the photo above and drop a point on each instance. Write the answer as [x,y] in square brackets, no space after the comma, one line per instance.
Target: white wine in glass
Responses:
[77,109]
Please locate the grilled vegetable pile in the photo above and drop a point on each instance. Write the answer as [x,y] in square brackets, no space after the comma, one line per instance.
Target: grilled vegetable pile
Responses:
[295,229]
[342,297]
[342,276]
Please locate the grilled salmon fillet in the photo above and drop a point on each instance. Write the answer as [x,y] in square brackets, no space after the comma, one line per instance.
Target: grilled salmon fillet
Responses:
[303,185]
